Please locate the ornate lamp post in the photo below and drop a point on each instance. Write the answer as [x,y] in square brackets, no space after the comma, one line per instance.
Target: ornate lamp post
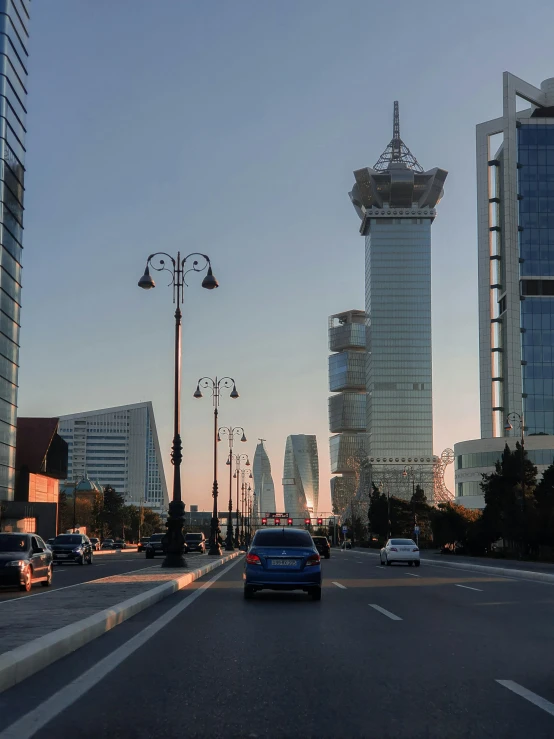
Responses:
[230,432]
[238,459]
[175,540]
[517,418]
[409,471]
[215,385]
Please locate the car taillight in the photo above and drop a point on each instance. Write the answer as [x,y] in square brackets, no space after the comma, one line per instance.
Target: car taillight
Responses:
[253,559]
[415,549]
[313,559]
[393,549]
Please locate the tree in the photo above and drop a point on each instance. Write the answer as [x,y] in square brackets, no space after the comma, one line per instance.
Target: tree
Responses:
[112,512]
[544,501]
[510,500]
[453,525]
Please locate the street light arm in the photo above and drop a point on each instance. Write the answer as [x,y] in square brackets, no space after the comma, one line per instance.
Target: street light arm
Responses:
[195,267]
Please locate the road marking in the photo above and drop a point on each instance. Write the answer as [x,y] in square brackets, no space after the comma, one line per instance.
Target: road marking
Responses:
[27,726]
[343,587]
[413,575]
[75,585]
[533,698]
[372,605]
[466,587]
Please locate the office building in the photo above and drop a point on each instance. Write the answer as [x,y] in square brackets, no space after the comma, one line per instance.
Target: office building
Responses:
[118,447]
[264,489]
[515,218]
[301,476]
[14,35]
[396,201]
[347,405]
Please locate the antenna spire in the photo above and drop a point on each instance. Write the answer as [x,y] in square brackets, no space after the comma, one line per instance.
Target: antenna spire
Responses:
[397,151]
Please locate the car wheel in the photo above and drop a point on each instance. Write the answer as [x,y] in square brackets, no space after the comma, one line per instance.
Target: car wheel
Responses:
[327,556]
[46,583]
[90,558]
[27,581]
[410,564]
[417,564]
[248,592]
[316,593]
[81,559]
[387,562]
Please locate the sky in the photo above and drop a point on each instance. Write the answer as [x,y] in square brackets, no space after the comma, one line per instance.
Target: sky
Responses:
[233,129]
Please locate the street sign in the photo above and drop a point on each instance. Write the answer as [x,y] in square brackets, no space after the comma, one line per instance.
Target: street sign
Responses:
[344,529]
[416,530]
[277,515]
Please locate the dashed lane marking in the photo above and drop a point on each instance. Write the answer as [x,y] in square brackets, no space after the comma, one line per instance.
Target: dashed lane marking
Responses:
[533,698]
[466,587]
[343,587]
[386,613]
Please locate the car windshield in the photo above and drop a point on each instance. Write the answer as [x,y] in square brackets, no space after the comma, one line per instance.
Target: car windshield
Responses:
[282,538]
[402,542]
[194,537]
[68,539]
[157,537]
[320,539]
[9,543]
[94,539]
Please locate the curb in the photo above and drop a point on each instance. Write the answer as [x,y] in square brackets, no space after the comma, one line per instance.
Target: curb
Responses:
[486,570]
[24,661]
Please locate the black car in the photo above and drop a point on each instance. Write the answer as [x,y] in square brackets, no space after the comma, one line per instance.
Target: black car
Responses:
[95,543]
[322,545]
[156,545]
[24,560]
[72,548]
[195,543]
[107,544]
[119,544]
[142,543]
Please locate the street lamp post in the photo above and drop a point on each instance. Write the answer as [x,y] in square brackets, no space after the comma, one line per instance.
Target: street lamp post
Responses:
[230,432]
[215,385]
[175,541]
[409,471]
[238,458]
[517,418]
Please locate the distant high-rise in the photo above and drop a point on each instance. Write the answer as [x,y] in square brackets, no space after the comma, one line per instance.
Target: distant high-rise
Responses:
[264,488]
[13,112]
[301,475]
[347,405]
[118,447]
[396,201]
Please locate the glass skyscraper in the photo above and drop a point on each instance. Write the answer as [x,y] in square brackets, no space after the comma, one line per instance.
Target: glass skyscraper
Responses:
[396,202]
[301,476]
[264,489]
[14,34]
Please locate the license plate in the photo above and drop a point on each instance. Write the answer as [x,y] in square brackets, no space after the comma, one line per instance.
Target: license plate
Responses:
[60,556]
[283,562]
[404,549]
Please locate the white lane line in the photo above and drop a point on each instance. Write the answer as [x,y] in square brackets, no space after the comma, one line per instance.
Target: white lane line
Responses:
[66,587]
[372,605]
[27,726]
[533,698]
[413,575]
[343,587]
[466,587]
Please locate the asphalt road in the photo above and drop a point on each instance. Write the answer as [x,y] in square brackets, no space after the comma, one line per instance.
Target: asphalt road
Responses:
[69,574]
[388,652]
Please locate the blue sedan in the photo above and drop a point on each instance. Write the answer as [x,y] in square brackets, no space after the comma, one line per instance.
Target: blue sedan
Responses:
[282,559]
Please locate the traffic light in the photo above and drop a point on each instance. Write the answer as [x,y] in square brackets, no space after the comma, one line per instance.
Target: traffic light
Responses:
[320,522]
[264,521]
[307,521]
[277,521]
[289,521]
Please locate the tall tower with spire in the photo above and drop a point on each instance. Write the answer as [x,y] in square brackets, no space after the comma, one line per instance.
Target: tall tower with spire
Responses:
[396,202]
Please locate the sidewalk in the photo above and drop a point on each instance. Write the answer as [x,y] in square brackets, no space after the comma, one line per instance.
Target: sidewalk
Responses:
[34,633]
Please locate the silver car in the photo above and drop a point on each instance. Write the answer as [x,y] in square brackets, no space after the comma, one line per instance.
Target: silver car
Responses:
[400,550]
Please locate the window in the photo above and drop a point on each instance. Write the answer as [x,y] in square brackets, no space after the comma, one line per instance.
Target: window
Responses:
[282,538]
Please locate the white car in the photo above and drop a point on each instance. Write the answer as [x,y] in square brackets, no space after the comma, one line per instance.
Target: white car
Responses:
[400,550]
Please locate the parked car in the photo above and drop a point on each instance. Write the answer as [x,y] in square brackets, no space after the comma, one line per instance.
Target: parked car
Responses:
[72,548]
[119,544]
[107,544]
[322,545]
[155,546]
[400,550]
[142,543]
[50,542]
[24,560]
[282,559]
[195,543]
[95,543]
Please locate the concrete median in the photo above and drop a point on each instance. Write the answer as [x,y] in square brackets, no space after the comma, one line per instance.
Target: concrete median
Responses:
[25,660]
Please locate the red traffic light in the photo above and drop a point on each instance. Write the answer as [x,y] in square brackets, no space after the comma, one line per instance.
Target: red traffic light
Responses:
[277,521]
[319,521]
[264,521]
[307,521]
[289,521]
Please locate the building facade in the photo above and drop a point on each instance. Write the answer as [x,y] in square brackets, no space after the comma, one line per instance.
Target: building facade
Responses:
[301,476]
[515,217]
[347,405]
[118,447]
[14,34]
[396,201]
[264,489]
